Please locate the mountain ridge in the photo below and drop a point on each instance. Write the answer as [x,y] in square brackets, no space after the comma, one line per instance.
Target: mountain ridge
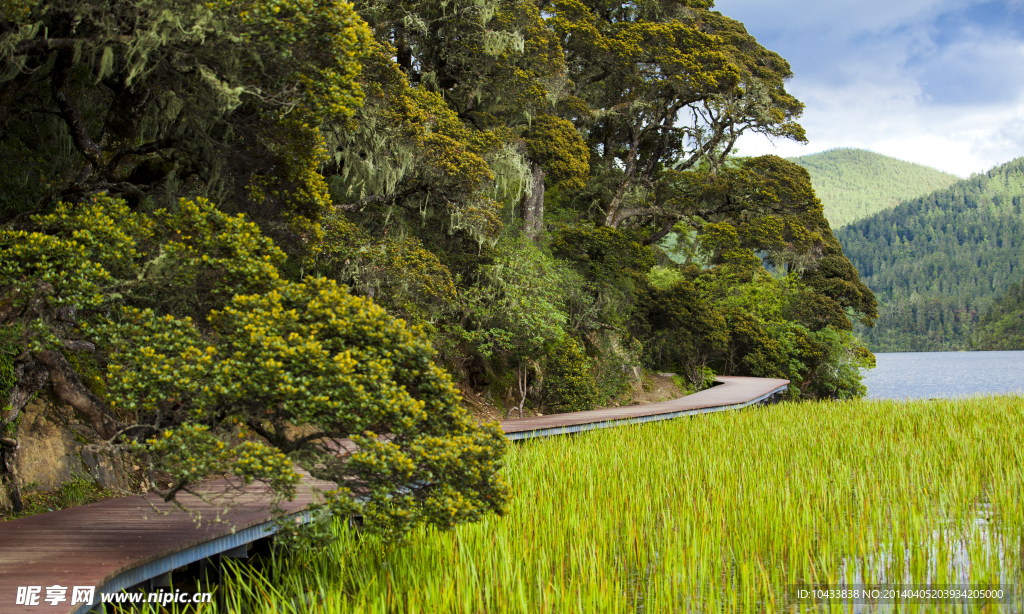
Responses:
[853,184]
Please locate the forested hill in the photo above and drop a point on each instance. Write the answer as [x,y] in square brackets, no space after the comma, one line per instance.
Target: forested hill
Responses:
[854,184]
[937,262]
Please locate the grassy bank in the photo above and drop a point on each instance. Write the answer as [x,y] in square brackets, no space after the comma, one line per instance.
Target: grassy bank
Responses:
[721,512]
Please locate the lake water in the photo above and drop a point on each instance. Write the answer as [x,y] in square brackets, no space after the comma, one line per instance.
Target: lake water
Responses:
[929,375]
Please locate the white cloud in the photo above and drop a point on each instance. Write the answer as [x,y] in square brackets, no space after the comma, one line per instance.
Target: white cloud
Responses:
[948,138]
[940,82]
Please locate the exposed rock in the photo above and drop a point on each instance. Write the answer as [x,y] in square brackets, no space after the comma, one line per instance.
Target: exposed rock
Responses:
[54,450]
[109,469]
[636,376]
[49,454]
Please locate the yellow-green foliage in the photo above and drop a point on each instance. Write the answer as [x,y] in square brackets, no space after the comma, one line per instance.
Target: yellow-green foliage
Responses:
[329,28]
[300,364]
[191,453]
[716,513]
[722,242]
[100,252]
[689,59]
[16,11]
[570,385]
[557,146]
[664,277]
[408,149]
[404,277]
[294,184]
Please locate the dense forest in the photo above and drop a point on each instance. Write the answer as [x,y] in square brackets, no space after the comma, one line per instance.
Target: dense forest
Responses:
[854,184]
[299,220]
[937,262]
[1002,326]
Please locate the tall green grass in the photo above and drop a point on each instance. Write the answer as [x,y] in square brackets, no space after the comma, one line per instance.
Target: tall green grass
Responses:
[715,513]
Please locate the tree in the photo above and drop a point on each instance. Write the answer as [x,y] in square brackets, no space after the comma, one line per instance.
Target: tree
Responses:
[299,364]
[666,84]
[151,100]
[1002,326]
[570,386]
[516,312]
[459,128]
[766,205]
[680,329]
[558,156]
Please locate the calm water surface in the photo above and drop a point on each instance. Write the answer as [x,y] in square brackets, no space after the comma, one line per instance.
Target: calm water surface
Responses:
[929,375]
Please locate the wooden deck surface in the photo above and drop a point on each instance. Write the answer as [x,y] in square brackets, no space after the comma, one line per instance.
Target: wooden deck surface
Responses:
[92,544]
[731,391]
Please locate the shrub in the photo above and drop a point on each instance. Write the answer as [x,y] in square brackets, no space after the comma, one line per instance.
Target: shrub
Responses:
[570,386]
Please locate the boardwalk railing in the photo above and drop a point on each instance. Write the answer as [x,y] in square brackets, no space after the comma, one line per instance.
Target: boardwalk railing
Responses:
[122,543]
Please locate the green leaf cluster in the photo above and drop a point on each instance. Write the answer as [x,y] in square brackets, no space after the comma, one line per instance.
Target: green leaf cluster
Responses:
[1002,326]
[570,386]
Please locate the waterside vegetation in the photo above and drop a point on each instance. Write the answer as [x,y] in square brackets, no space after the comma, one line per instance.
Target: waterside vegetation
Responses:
[723,512]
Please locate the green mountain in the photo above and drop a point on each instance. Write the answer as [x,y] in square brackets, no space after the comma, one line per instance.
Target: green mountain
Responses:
[854,184]
[936,263]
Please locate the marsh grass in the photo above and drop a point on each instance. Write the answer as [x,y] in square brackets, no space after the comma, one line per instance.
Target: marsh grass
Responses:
[717,513]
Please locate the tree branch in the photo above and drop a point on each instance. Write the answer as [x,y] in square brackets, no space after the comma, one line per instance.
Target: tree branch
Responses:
[665,229]
[141,150]
[76,125]
[301,441]
[70,389]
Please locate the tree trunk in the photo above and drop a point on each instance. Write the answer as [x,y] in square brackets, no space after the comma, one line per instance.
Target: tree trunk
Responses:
[71,390]
[9,480]
[533,206]
[611,218]
[521,374]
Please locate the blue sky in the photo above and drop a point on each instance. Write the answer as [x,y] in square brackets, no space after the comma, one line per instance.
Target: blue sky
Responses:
[939,82]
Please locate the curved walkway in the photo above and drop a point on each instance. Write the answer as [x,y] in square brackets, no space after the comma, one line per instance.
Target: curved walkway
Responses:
[730,393]
[119,543]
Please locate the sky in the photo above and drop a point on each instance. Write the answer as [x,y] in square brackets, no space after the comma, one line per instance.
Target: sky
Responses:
[938,82]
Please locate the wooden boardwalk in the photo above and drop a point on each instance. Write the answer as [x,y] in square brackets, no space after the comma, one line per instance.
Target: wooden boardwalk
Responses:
[731,392]
[116,544]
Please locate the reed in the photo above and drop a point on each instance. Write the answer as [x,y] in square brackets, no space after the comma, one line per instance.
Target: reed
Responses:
[716,513]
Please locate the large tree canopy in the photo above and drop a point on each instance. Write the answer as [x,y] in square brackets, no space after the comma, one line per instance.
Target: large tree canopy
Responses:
[665,84]
[152,100]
